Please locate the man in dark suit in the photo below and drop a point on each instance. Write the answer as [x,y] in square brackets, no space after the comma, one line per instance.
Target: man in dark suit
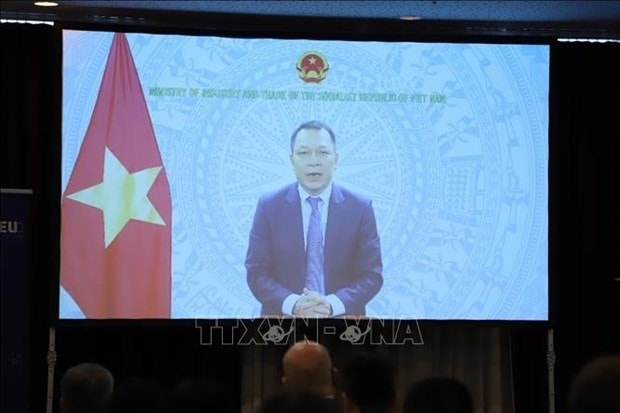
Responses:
[314,250]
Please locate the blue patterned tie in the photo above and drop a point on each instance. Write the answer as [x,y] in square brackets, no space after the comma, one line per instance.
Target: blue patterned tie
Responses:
[314,249]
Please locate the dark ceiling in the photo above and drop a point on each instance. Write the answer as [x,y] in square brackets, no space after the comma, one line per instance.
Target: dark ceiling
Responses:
[598,19]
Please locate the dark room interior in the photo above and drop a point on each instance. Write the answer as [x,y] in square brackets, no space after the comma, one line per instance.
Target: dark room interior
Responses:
[510,365]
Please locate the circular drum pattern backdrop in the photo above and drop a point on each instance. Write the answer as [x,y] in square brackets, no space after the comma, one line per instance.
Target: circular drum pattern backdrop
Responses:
[448,140]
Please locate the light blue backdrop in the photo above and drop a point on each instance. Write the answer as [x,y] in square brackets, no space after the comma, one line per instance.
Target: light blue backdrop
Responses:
[459,183]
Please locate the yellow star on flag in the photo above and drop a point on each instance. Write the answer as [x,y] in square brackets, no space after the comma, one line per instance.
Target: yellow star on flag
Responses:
[121,196]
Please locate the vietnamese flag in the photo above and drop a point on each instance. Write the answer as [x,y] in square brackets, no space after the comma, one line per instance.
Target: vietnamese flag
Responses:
[116,209]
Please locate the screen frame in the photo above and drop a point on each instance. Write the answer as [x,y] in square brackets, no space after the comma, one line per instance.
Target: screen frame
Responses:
[286,27]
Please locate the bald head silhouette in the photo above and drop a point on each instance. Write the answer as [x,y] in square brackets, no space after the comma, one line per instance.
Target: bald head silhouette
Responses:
[308,367]
[85,388]
[595,388]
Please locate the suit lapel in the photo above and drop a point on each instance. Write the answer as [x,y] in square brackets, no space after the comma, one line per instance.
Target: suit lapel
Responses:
[334,225]
[293,230]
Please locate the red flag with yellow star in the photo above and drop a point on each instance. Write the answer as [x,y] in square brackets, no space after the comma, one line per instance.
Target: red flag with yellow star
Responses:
[116,209]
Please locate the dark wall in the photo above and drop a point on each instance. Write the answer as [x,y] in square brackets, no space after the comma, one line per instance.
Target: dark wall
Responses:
[584,229]
[30,135]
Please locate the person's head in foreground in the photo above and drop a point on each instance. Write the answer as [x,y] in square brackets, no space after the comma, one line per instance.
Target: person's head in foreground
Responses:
[85,388]
[307,367]
[596,388]
[368,385]
[438,395]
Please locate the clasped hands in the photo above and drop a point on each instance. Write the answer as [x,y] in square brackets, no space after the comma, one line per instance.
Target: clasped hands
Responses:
[312,304]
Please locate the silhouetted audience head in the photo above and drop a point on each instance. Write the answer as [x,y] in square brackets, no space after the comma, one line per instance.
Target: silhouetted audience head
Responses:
[85,388]
[299,402]
[307,367]
[136,395]
[596,388]
[198,396]
[438,395]
[368,385]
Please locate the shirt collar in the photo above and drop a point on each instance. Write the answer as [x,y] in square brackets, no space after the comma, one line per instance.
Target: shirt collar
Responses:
[303,194]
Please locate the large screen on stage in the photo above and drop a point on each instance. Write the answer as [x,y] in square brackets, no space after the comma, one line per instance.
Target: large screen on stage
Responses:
[221,177]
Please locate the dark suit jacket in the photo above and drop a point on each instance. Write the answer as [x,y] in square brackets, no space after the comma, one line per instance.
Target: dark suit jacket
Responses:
[276,258]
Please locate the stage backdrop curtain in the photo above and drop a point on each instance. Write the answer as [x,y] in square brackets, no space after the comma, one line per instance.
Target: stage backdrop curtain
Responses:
[478,355]
[584,205]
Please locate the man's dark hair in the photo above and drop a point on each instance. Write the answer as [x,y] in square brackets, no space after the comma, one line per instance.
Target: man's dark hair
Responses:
[438,395]
[86,388]
[368,381]
[316,125]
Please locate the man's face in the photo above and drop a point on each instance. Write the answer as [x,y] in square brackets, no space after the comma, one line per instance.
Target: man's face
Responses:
[314,159]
